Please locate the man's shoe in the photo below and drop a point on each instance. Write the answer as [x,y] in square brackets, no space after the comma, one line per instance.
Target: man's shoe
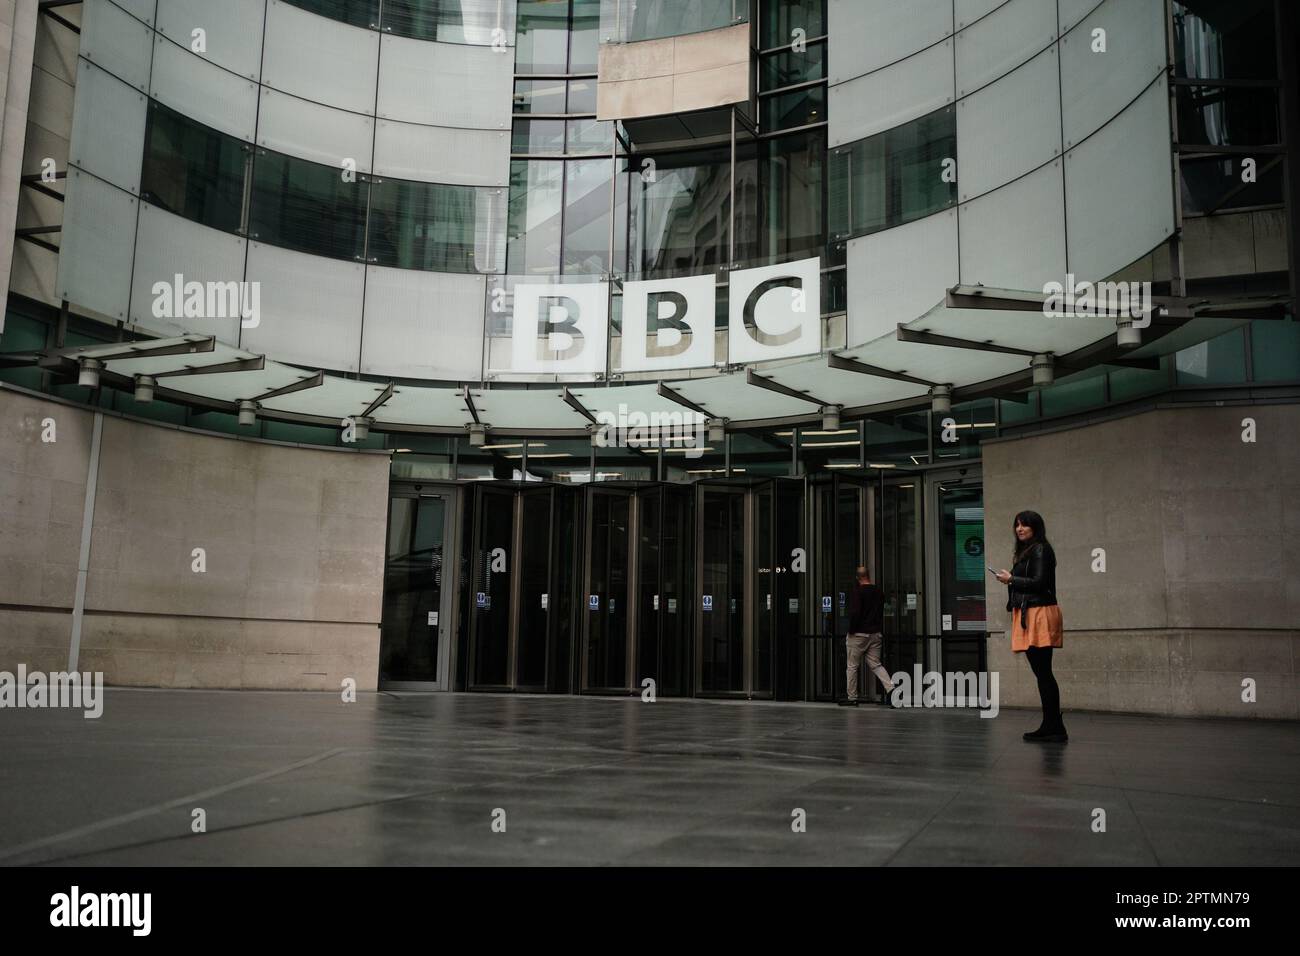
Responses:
[848,702]
[887,699]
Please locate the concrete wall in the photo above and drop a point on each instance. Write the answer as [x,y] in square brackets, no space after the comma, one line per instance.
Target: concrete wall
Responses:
[674,75]
[1201,533]
[293,541]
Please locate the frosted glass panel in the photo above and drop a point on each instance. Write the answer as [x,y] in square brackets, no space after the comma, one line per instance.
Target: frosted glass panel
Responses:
[232,30]
[117,42]
[1118,188]
[310,131]
[445,84]
[1003,40]
[892,96]
[1096,86]
[423,324]
[203,92]
[311,308]
[144,9]
[1014,237]
[968,11]
[168,245]
[95,258]
[900,274]
[876,33]
[440,154]
[108,127]
[320,59]
[1009,127]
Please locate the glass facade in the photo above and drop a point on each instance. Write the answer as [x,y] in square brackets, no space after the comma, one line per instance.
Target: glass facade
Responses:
[448,21]
[200,173]
[628,21]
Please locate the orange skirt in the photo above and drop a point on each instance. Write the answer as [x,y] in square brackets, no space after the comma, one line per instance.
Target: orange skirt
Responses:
[1046,628]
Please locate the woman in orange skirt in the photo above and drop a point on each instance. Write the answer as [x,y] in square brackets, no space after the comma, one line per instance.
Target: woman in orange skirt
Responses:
[1036,625]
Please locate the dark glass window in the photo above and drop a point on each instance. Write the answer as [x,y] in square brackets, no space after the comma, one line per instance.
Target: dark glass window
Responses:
[1228,116]
[789,68]
[893,177]
[1213,184]
[1219,361]
[782,18]
[796,108]
[193,171]
[427,226]
[1275,350]
[792,176]
[359,13]
[1225,39]
[656,19]
[450,21]
[307,206]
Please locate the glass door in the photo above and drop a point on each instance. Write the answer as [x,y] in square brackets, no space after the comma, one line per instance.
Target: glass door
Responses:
[605,620]
[957,562]
[492,566]
[723,652]
[533,610]
[419,593]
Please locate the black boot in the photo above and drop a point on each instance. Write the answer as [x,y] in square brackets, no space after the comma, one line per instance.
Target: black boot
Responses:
[1056,734]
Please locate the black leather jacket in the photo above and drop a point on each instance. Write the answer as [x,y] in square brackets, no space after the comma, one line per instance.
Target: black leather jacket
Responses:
[1033,581]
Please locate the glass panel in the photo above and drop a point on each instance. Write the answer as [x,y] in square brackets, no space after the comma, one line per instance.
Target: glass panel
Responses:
[412,590]
[762,453]
[971,423]
[789,598]
[898,439]
[607,597]
[779,21]
[591,136]
[626,21]
[22,334]
[358,13]
[792,182]
[565,570]
[537,136]
[898,577]
[542,36]
[1275,350]
[307,206]
[1218,40]
[193,171]
[584,38]
[764,577]
[1075,393]
[540,96]
[677,548]
[1013,412]
[562,460]
[533,229]
[534,597]
[723,596]
[427,226]
[1220,361]
[582,96]
[679,217]
[1219,116]
[450,21]
[893,177]
[821,450]
[1126,383]
[586,216]
[651,606]
[790,68]
[1213,184]
[490,595]
[796,108]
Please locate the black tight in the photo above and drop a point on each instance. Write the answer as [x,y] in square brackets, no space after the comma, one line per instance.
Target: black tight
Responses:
[1040,661]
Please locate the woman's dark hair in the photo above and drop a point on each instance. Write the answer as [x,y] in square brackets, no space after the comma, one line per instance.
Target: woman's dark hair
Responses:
[1033,521]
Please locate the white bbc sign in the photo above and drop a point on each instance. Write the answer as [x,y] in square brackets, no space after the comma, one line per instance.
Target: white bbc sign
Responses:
[773,312]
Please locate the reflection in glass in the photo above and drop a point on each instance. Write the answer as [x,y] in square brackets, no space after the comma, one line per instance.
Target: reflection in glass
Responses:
[586,216]
[533,228]
[490,594]
[893,177]
[542,36]
[537,136]
[534,598]
[800,107]
[722,601]
[412,590]
[429,226]
[627,21]
[789,68]
[607,610]
[793,206]
[307,206]
[584,39]
[1218,40]
[357,13]
[193,171]
[780,20]
[539,96]
[448,21]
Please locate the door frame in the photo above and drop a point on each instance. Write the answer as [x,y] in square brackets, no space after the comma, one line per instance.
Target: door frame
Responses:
[449,606]
[969,474]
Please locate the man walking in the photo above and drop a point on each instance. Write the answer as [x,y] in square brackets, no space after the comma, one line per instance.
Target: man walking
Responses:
[866,622]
